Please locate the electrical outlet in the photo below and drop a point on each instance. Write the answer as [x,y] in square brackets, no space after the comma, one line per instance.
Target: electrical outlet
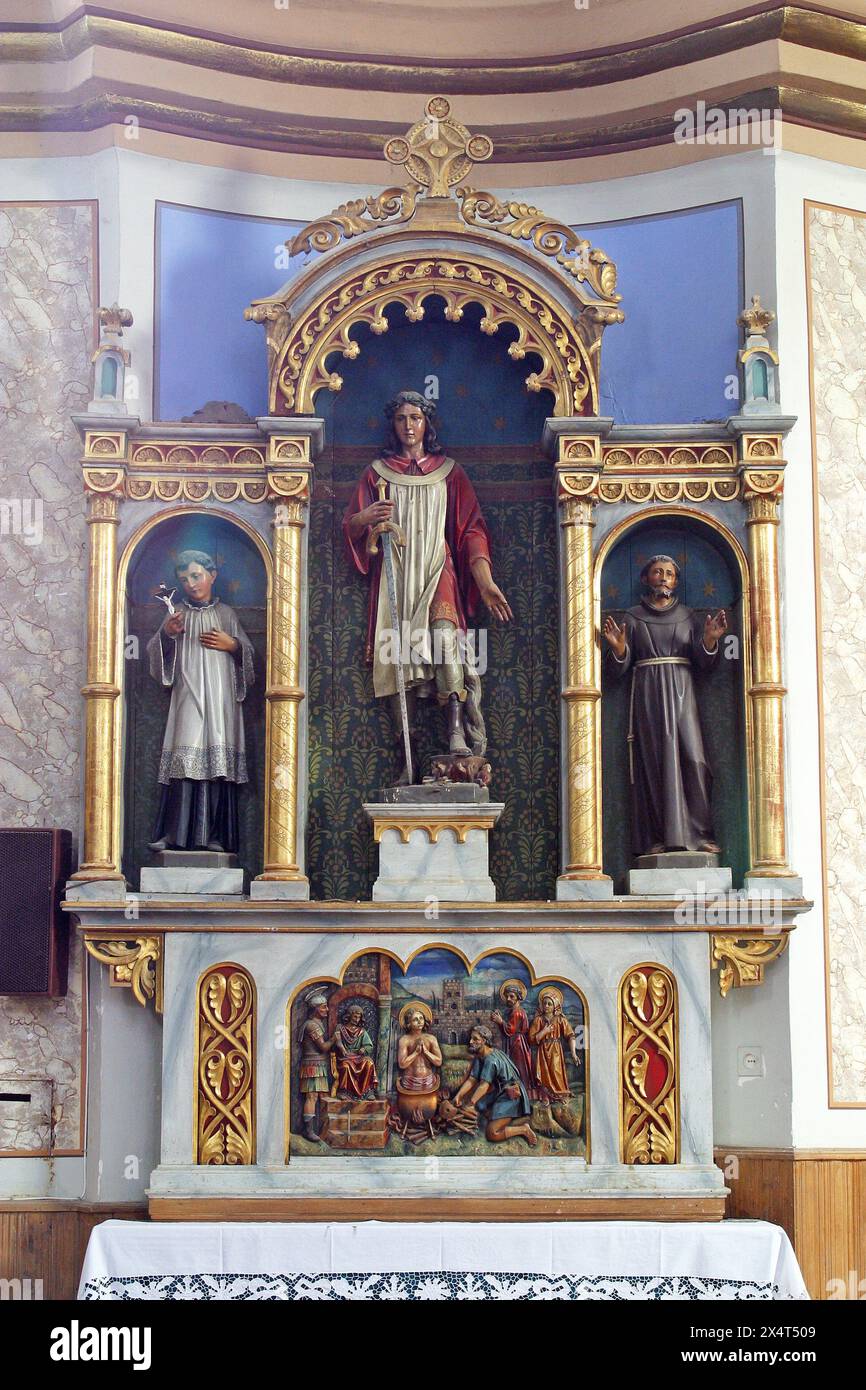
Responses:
[750,1061]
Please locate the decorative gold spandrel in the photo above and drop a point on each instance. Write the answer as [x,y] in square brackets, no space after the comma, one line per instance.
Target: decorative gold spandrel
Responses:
[649,1033]
[390,207]
[224,1097]
[576,256]
[742,961]
[135,963]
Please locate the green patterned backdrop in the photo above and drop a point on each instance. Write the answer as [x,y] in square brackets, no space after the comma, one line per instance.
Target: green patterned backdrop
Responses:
[352,748]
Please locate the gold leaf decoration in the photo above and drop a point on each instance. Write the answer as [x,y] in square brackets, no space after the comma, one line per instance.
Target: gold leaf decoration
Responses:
[225,1067]
[649,1067]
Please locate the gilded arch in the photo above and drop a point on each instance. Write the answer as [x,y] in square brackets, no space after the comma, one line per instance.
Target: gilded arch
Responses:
[404,245]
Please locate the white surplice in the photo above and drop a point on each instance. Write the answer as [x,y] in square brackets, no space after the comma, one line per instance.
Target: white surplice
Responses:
[204,733]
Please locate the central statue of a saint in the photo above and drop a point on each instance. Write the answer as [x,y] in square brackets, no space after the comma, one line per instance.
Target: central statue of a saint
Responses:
[441,573]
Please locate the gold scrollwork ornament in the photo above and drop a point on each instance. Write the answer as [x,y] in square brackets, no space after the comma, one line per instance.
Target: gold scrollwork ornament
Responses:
[136,963]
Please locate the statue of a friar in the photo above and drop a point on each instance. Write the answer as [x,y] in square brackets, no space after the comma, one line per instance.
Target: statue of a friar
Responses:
[203,654]
[442,572]
[659,642]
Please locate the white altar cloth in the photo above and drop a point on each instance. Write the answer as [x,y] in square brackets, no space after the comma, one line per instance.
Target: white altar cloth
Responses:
[372,1260]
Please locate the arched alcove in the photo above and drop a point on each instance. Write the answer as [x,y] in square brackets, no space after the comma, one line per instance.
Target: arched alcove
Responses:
[493,426]
[242,582]
[712,577]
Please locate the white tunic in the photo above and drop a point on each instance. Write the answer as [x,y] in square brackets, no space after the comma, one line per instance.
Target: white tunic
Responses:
[420,512]
[204,733]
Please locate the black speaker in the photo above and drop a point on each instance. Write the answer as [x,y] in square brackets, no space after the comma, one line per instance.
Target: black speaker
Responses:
[34,934]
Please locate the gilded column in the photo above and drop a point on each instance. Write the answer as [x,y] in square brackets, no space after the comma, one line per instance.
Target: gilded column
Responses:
[100,856]
[581,691]
[284,770]
[762,483]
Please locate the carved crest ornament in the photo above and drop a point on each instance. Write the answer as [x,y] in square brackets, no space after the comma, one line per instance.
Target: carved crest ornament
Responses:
[309,324]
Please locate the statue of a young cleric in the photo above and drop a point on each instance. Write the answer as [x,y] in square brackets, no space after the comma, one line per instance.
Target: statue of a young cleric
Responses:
[201,652]
[442,573]
[659,642]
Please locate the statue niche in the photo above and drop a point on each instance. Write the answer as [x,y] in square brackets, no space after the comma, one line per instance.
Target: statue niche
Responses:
[194,737]
[673,725]
[490,424]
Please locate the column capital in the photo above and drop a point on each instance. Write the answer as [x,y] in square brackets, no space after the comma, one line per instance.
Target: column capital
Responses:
[567,432]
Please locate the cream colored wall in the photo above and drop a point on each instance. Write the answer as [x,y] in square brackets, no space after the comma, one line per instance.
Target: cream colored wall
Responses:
[47,293]
[839,348]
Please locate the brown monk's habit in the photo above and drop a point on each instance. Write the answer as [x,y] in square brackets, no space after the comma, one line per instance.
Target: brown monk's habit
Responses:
[671,778]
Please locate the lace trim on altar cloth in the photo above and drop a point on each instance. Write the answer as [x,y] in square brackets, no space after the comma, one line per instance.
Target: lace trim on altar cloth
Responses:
[203,764]
[441,1286]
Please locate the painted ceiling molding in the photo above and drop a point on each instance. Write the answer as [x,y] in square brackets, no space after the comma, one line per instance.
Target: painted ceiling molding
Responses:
[91,27]
[214,86]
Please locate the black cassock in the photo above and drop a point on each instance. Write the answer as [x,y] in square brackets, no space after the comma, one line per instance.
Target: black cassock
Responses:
[671,778]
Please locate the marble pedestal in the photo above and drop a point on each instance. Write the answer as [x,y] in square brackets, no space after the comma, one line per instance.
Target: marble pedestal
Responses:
[433,843]
[675,872]
[282,1179]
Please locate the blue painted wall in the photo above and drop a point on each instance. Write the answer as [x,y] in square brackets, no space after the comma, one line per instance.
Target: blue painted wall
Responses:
[680,275]
[209,267]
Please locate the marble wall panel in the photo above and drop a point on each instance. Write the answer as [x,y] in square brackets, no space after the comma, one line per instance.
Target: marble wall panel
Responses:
[47,306]
[837,285]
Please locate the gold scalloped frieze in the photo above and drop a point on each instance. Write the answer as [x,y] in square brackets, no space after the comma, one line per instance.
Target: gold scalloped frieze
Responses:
[668,489]
[323,333]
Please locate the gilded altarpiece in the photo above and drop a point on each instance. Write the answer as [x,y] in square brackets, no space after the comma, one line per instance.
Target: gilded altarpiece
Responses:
[389,1030]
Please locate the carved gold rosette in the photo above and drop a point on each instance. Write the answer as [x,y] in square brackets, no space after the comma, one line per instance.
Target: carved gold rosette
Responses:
[225,1067]
[649,1067]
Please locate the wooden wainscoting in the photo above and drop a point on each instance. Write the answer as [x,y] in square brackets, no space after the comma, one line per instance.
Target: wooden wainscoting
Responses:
[819,1197]
[47,1240]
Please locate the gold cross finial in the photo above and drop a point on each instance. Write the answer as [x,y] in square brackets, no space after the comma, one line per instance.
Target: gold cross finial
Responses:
[438,151]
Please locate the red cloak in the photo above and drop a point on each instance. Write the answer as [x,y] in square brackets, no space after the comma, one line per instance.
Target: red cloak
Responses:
[466,538]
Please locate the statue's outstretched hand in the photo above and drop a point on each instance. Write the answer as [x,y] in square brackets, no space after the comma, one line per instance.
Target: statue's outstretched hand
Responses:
[173,625]
[714,628]
[496,601]
[615,636]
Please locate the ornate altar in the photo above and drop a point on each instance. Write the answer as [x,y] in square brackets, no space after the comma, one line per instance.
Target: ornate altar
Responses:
[315,1050]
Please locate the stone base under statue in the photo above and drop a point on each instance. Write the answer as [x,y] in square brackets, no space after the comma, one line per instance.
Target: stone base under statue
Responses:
[183,871]
[673,872]
[433,842]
